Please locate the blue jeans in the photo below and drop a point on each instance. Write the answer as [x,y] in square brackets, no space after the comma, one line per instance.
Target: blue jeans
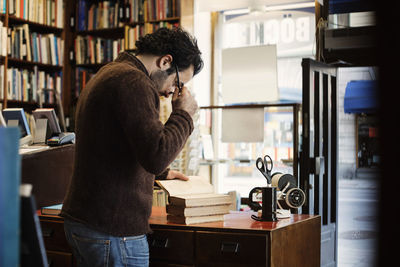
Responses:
[92,248]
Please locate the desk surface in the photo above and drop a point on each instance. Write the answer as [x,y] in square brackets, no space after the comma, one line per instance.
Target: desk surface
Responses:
[240,221]
[233,221]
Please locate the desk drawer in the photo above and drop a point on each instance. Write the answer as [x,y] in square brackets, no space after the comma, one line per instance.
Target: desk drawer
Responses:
[54,236]
[172,246]
[227,249]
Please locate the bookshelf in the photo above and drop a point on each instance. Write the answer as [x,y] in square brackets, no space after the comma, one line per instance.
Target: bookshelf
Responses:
[104,25]
[128,20]
[106,28]
[89,34]
[33,53]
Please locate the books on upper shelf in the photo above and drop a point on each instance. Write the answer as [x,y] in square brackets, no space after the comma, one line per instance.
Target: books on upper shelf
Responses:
[108,14]
[52,210]
[194,201]
[41,48]
[160,9]
[48,12]
[93,50]
[132,34]
[152,27]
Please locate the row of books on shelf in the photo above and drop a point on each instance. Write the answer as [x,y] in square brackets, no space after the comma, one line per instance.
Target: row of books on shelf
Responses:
[132,34]
[94,50]
[36,47]
[112,14]
[30,85]
[160,9]
[108,14]
[152,27]
[48,12]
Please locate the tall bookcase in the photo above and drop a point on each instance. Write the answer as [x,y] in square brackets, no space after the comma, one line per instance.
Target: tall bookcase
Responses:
[88,35]
[88,31]
[105,28]
[32,52]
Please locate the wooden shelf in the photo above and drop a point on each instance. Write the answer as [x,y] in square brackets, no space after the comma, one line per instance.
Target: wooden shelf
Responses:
[103,32]
[30,64]
[34,26]
[174,19]
[27,104]
[95,65]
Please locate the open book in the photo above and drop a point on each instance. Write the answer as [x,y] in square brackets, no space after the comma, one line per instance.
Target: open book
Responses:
[193,193]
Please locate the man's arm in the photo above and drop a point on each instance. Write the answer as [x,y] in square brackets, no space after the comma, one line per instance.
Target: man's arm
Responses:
[155,145]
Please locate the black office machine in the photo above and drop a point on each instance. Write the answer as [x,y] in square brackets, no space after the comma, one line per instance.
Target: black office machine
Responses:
[281,191]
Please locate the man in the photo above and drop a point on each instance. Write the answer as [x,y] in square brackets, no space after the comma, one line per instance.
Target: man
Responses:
[121,145]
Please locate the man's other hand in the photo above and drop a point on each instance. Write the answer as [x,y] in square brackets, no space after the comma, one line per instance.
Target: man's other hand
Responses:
[176,175]
[184,101]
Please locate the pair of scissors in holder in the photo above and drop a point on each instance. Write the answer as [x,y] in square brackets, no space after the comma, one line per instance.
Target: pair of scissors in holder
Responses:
[265,167]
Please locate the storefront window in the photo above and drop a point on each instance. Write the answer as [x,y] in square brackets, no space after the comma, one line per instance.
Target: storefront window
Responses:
[233,165]
[234,162]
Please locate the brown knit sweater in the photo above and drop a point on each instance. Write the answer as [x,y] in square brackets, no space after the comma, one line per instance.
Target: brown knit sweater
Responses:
[120,146]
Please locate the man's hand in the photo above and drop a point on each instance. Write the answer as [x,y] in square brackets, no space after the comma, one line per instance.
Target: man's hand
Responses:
[184,101]
[176,175]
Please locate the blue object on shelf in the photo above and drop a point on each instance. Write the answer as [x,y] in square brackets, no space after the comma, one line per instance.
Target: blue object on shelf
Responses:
[10,176]
[361,97]
[350,6]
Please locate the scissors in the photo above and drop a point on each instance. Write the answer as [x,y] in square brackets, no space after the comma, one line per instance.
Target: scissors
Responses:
[265,167]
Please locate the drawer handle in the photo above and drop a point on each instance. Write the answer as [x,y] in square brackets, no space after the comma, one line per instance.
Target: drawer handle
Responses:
[230,247]
[47,232]
[160,242]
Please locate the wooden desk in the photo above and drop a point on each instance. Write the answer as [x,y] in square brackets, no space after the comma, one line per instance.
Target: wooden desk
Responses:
[49,171]
[237,241]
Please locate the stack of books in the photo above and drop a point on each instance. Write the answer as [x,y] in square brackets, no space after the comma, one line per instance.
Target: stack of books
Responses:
[194,201]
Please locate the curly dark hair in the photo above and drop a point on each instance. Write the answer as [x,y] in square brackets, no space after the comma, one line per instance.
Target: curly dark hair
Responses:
[175,42]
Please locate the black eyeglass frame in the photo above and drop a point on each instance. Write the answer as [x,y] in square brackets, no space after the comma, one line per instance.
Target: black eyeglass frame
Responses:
[178,83]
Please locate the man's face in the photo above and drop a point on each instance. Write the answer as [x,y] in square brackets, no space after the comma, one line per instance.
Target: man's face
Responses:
[166,84]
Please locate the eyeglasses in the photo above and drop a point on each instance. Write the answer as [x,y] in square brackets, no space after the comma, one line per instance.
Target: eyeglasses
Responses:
[178,83]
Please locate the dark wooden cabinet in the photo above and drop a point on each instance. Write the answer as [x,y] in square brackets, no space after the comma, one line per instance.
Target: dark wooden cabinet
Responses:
[172,246]
[226,249]
[236,241]
[49,172]
[59,253]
